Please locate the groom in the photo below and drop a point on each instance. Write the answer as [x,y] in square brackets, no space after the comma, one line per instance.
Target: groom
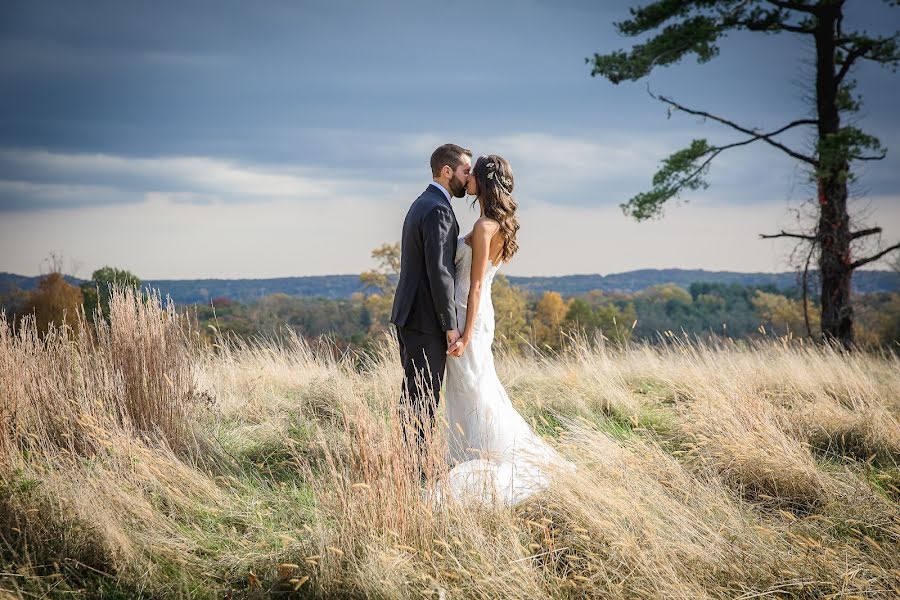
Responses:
[424,311]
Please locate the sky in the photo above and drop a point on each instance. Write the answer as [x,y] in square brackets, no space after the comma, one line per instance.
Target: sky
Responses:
[225,139]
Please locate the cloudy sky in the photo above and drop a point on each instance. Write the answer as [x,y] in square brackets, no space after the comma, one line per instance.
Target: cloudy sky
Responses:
[234,139]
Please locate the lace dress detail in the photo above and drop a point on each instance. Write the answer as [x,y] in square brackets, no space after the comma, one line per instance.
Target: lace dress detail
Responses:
[493,452]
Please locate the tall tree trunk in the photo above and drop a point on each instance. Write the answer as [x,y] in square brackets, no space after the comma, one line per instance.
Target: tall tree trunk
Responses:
[834,222]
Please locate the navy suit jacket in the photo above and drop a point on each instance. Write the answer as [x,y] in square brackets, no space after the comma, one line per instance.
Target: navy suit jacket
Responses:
[424,300]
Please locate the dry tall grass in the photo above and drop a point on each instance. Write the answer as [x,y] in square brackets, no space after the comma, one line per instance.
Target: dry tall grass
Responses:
[138,463]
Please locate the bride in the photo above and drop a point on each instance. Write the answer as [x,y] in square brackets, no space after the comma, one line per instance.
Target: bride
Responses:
[494,453]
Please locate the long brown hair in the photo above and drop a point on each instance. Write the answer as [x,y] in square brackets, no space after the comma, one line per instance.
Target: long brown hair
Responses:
[495,182]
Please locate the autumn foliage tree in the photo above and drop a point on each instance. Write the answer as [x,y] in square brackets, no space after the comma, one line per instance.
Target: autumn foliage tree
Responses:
[785,314]
[694,27]
[511,314]
[54,301]
[380,284]
[549,318]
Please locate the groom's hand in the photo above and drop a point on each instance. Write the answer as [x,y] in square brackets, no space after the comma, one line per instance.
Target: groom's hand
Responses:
[452,340]
[459,347]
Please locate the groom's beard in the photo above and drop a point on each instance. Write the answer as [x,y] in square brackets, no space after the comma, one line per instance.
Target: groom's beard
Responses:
[457,188]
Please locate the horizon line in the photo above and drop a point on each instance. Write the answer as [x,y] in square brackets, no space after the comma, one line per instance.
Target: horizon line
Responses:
[156,279]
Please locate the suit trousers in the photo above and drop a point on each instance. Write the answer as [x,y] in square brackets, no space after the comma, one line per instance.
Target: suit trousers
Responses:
[424,356]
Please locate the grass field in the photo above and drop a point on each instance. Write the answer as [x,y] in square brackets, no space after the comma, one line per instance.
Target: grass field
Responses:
[136,461]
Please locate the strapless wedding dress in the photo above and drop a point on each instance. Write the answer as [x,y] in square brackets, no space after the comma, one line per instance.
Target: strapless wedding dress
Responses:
[493,452]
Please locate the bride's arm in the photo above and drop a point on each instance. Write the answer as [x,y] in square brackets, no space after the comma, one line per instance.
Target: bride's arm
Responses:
[482,233]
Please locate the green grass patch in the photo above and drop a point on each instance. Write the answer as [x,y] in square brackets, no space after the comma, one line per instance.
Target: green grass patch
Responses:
[544,422]
[275,457]
[17,484]
[618,423]
[620,430]
[885,480]
[655,390]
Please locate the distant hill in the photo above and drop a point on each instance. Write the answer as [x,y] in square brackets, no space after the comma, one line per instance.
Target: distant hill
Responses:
[191,291]
[864,282]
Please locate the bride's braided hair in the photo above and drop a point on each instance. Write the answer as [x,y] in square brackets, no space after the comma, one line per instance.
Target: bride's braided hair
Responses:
[495,182]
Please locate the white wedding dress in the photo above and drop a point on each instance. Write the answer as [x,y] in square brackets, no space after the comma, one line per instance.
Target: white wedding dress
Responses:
[493,452]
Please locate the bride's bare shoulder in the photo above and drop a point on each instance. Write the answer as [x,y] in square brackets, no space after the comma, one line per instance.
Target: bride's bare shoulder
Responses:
[487,225]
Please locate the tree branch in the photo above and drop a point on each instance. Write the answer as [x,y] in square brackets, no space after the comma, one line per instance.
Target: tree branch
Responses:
[794,6]
[681,162]
[864,48]
[863,261]
[759,26]
[725,17]
[796,123]
[784,233]
[875,157]
[882,50]
[766,137]
[864,232]
[852,56]
[795,28]
[684,180]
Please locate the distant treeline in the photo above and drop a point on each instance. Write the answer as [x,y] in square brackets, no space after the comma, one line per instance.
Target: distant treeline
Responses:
[201,291]
[545,320]
[538,318]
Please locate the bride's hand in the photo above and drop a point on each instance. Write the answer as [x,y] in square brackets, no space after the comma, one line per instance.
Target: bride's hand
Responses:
[458,347]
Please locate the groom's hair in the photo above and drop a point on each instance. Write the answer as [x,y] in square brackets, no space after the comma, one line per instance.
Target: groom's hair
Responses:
[448,154]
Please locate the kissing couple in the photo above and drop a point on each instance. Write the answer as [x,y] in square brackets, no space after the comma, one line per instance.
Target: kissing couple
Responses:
[444,319]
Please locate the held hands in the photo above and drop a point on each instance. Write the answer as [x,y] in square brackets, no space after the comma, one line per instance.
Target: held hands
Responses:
[458,346]
[455,343]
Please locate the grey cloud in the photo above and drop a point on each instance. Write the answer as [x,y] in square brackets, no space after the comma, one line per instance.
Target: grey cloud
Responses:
[16,196]
[341,88]
[83,179]
[558,170]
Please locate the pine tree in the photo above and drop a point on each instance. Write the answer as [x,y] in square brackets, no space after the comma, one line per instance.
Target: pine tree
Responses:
[694,26]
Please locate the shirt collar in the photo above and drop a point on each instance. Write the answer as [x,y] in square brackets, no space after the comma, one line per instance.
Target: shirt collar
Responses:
[440,187]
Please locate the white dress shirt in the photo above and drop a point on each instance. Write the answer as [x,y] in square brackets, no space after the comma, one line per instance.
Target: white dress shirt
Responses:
[440,187]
